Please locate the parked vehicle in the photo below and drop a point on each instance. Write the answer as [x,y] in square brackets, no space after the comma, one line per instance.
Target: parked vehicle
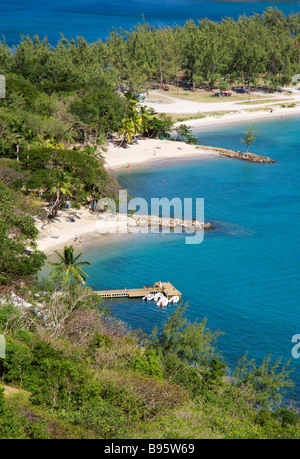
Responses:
[226,94]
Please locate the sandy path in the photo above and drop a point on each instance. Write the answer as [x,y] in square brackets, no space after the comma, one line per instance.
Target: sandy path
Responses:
[191,107]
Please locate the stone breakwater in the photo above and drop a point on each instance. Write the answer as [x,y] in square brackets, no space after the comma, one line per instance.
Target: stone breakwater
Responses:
[239,155]
[108,223]
[162,222]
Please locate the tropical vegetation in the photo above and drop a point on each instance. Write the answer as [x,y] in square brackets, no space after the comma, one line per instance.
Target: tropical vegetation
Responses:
[71,370]
[68,268]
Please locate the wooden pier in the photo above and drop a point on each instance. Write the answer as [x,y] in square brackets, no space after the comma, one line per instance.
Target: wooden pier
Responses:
[166,288]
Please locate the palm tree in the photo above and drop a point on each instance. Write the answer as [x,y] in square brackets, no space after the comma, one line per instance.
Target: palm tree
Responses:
[146,116]
[131,127]
[132,100]
[68,267]
[61,188]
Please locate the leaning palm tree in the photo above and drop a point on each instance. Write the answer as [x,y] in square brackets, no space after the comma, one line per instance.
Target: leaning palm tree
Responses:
[132,100]
[146,115]
[68,267]
[131,127]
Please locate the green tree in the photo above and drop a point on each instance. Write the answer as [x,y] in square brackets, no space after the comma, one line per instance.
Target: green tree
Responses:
[250,136]
[166,54]
[248,54]
[68,267]
[61,188]
[59,382]
[191,45]
[158,125]
[266,380]
[146,115]
[10,425]
[99,111]
[19,257]
[116,61]
[191,342]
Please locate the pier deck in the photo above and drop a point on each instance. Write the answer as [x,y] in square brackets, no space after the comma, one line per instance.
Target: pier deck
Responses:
[164,287]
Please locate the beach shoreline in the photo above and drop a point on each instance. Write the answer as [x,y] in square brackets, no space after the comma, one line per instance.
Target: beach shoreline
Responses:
[145,153]
[61,231]
[151,151]
[210,122]
[79,227]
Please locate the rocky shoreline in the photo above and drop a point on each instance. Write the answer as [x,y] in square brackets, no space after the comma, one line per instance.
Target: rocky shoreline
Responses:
[172,223]
[115,222]
[239,155]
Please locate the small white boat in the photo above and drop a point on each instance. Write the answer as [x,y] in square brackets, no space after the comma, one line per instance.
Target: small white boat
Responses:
[174,299]
[148,297]
[158,296]
[162,301]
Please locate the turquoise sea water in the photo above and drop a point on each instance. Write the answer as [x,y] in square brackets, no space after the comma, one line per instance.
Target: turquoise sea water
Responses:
[94,19]
[244,276]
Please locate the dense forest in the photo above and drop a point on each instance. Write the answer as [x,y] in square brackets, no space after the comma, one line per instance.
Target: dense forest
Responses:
[265,45]
[71,370]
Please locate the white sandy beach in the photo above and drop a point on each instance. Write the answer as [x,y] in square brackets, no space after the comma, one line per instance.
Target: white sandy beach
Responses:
[149,151]
[152,150]
[55,235]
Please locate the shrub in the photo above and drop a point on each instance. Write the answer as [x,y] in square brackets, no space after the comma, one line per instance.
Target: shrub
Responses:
[10,425]
[147,363]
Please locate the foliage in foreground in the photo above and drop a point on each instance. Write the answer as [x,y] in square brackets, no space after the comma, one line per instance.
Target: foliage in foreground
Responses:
[19,257]
[88,372]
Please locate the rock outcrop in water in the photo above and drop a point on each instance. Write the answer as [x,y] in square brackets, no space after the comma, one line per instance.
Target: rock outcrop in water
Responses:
[247,156]
[172,223]
[111,223]
[239,155]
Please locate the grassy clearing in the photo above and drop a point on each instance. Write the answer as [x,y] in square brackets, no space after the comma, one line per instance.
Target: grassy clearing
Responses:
[39,423]
[158,99]
[182,117]
[202,96]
